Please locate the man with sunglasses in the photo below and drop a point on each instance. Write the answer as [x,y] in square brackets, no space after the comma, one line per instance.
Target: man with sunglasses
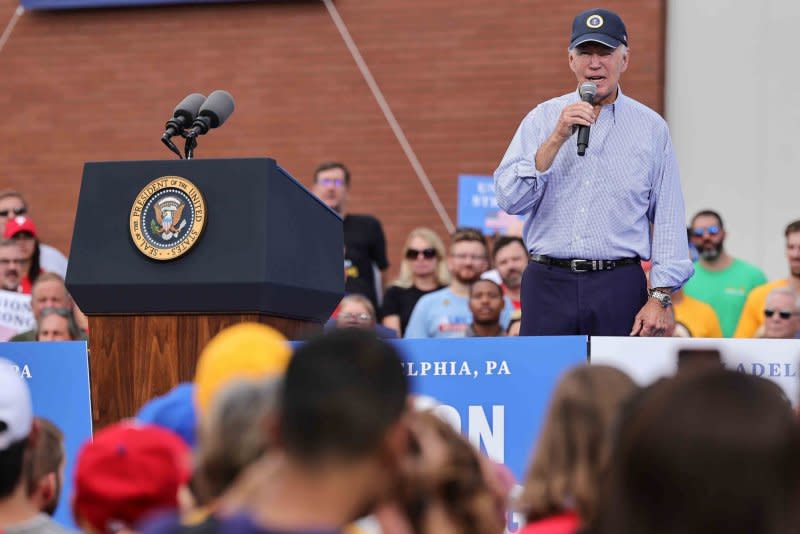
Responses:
[12,204]
[364,240]
[752,317]
[782,314]
[719,280]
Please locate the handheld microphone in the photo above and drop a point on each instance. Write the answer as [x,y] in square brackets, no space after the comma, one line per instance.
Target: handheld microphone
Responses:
[185,112]
[587,91]
[213,113]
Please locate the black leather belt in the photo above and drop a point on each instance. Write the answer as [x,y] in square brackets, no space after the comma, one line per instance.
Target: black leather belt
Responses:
[583,266]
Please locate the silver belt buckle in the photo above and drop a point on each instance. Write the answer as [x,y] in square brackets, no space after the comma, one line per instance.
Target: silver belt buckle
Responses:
[573,266]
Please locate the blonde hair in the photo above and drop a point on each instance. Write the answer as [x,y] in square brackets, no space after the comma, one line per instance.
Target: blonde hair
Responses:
[573,450]
[406,277]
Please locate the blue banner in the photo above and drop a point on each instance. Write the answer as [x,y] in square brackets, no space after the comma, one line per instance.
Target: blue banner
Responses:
[75,4]
[477,207]
[495,390]
[57,374]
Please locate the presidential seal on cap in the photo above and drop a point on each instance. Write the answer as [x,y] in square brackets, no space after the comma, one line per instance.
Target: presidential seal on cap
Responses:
[598,26]
[167,218]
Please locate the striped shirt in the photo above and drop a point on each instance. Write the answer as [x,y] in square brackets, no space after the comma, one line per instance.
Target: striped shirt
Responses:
[601,205]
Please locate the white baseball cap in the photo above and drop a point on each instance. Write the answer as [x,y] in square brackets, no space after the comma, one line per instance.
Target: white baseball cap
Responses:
[16,411]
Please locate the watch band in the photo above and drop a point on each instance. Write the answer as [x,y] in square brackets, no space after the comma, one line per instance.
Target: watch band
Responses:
[663,298]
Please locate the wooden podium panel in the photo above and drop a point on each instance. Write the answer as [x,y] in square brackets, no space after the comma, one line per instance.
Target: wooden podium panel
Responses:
[135,358]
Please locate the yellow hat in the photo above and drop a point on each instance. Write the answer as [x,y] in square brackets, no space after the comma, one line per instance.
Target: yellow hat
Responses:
[248,351]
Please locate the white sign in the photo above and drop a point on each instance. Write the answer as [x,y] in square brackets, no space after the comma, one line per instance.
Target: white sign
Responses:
[15,314]
[648,359]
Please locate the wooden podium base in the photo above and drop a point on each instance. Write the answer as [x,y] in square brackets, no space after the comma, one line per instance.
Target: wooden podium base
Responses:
[135,358]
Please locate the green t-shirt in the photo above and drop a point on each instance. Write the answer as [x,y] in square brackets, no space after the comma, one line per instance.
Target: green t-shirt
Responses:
[726,290]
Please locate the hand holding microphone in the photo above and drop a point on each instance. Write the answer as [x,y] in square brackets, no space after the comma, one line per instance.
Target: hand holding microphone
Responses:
[576,116]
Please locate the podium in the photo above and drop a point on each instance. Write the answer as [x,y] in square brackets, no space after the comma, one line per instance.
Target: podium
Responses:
[165,254]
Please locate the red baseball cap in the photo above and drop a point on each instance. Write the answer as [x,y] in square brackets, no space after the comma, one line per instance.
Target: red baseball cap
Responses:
[18,224]
[128,472]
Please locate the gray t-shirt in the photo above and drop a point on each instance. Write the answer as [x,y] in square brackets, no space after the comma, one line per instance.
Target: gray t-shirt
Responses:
[39,524]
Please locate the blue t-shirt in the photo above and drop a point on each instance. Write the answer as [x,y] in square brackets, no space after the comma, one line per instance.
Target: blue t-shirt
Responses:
[444,314]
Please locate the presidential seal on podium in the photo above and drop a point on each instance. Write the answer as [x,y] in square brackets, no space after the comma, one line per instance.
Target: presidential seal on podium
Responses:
[167,218]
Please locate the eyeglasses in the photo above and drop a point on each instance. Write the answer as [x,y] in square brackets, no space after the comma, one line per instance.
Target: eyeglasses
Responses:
[427,253]
[785,315]
[361,317]
[5,261]
[15,211]
[701,230]
[328,182]
[469,257]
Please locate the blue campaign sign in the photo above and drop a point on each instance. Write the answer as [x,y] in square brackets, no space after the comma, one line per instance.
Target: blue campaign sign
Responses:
[477,207]
[57,374]
[76,4]
[496,390]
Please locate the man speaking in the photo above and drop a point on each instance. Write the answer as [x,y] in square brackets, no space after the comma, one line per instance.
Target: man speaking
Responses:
[593,216]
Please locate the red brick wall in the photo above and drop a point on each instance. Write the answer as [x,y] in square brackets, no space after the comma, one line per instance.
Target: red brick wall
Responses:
[459,75]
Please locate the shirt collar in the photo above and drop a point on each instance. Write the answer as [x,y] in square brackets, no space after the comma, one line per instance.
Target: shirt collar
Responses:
[621,100]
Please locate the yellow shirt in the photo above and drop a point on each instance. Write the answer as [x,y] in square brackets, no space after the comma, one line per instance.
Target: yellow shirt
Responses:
[753,312]
[697,317]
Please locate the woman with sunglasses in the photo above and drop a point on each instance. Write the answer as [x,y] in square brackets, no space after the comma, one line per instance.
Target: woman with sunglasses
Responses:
[421,271]
[12,205]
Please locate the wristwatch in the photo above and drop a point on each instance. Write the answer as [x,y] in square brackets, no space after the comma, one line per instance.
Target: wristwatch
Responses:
[663,298]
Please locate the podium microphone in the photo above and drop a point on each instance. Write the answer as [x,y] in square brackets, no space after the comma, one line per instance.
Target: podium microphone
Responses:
[212,114]
[185,112]
[587,91]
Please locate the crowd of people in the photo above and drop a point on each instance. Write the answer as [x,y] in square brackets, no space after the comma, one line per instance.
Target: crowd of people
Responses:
[33,272]
[432,298]
[326,437]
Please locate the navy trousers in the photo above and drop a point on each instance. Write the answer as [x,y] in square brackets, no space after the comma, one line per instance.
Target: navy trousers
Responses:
[557,301]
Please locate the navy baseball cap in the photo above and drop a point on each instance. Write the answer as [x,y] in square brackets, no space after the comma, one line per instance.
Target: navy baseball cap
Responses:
[599,26]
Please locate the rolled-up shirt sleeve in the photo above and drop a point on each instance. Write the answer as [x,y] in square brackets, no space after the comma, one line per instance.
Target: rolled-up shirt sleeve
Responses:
[518,185]
[671,267]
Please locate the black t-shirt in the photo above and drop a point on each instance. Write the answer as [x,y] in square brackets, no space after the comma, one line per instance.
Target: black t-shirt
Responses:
[364,244]
[401,301]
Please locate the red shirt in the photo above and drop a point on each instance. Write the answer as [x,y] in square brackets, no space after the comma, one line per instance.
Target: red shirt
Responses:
[516,303]
[566,523]
[25,285]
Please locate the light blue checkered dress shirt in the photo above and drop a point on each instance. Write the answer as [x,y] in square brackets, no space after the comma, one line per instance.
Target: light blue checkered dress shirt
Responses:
[601,205]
